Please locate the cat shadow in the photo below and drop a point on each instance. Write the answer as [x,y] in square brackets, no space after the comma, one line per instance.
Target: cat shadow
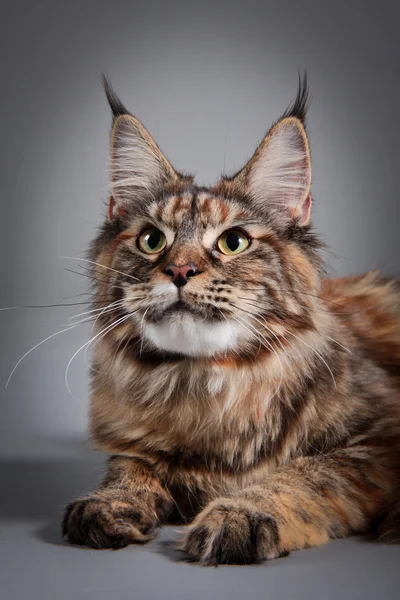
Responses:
[50,533]
[39,490]
[169,549]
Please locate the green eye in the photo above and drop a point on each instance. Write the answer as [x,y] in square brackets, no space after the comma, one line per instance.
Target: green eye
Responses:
[232,242]
[152,241]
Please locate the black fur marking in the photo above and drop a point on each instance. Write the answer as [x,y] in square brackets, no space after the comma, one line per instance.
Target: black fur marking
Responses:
[86,523]
[197,539]
[115,103]
[298,109]
[233,546]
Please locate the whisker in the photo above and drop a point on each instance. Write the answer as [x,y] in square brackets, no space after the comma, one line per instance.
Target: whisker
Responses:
[102,277]
[141,330]
[117,307]
[88,347]
[262,301]
[97,280]
[90,276]
[91,294]
[106,312]
[286,291]
[317,353]
[100,265]
[338,343]
[83,274]
[273,350]
[44,305]
[93,318]
[286,331]
[112,326]
[94,310]
[264,323]
[34,348]
[247,301]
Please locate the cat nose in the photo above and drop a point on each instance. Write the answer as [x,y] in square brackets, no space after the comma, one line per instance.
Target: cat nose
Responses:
[181,275]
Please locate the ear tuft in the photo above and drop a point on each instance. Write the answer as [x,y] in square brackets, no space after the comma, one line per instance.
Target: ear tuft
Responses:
[277,178]
[299,107]
[115,103]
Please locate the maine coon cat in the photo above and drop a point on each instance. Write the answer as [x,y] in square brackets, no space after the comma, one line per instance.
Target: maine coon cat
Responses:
[235,388]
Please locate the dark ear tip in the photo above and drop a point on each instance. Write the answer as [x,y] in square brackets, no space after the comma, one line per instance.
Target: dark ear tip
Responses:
[299,107]
[115,103]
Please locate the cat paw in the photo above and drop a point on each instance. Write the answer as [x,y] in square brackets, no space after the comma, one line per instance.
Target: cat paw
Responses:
[100,522]
[232,532]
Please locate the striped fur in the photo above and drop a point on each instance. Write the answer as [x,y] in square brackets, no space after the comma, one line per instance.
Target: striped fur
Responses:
[268,416]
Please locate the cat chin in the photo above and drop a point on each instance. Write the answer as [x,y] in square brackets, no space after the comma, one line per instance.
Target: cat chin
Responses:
[188,335]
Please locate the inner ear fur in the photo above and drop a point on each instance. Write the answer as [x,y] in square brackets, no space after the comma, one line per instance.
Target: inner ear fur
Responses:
[277,178]
[138,167]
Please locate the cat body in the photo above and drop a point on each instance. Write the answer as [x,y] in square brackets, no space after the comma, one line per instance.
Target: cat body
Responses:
[234,386]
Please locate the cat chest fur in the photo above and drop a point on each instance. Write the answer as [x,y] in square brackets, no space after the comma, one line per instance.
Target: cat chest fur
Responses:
[185,413]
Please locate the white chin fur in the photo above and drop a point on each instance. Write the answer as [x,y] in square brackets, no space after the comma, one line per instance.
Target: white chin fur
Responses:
[185,334]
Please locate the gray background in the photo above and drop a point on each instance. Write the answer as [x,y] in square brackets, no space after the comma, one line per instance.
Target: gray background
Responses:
[207,79]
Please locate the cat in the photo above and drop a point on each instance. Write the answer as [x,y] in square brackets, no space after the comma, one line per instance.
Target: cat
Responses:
[235,387]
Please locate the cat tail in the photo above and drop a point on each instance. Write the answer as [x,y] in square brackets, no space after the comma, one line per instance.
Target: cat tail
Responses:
[389,522]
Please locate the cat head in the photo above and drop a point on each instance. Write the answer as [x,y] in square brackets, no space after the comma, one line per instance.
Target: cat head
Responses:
[207,272]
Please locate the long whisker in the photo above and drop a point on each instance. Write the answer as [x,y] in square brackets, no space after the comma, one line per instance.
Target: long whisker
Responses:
[34,348]
[273,350]
[93,318]
[284,337]
[141,330]
[88,274]
[100,265]
[112,326]
[102,277]
[44,305]
[88,346]
[263,301]
[97,280]
[81,274]
[288,290]
[285,291]
[264,324]
[286,331]
[90,294]
[106,312]
[338,343]
[85,357]
[94,310]
[317,353]
[249,302]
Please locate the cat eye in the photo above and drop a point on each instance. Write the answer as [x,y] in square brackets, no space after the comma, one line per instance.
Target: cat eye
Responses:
[152,241]
[232,242]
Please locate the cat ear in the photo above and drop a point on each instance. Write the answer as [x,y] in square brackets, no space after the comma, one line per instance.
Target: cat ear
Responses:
[139,170]
[277,178]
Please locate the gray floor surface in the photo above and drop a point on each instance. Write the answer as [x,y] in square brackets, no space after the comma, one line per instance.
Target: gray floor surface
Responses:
[36,564]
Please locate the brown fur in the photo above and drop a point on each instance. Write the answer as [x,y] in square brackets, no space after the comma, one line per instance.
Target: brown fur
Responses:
[280,443]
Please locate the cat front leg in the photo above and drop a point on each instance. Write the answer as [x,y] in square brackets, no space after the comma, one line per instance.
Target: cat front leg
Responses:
[301,505]
[125,509]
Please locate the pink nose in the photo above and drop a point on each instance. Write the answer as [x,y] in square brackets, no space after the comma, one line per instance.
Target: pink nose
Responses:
[181,275]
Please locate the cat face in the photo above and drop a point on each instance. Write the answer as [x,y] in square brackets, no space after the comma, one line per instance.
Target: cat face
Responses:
[193,269]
